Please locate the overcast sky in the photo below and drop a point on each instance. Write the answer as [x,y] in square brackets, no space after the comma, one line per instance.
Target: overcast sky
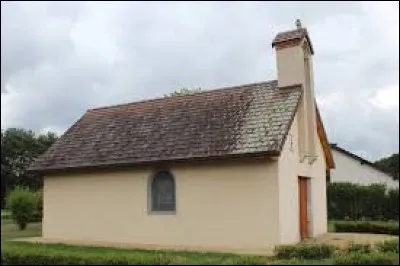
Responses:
[60,58]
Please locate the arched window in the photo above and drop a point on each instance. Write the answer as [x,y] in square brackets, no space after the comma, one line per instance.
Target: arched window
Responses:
[162,190]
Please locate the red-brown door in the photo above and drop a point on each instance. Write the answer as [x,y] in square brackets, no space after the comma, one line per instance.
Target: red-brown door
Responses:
[303,200]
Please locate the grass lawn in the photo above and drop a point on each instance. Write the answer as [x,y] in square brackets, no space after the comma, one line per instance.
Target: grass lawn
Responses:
[144,256]
[10,231]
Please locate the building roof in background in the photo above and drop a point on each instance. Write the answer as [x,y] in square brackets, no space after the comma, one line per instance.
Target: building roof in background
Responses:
[356,157]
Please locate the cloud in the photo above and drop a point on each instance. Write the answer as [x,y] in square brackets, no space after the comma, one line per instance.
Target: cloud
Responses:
[387,98]
[60,58]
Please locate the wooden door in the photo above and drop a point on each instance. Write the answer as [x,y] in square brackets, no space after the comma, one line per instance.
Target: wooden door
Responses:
[303,201]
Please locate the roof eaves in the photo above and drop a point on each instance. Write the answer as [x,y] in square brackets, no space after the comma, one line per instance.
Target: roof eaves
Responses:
[49,170]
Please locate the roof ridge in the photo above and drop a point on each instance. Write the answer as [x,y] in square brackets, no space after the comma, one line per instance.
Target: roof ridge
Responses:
[186,95]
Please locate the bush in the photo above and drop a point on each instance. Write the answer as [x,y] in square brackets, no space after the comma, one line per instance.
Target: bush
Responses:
[362,248]
[373,258]
[374,227]
[356,202]
[22,204]
[389,246]
[392,204]
[303,251]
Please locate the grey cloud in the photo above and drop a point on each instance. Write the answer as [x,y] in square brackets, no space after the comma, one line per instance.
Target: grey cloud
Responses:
[28,40]
[362,128]
[60,58]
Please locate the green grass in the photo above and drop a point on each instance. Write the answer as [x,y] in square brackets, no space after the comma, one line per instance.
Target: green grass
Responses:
[9,230]
[142,256]
[103,251]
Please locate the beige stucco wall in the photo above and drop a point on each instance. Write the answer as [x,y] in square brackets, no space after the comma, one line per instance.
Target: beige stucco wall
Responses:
[222,205]
[293,162]
[291,68]
[289,169]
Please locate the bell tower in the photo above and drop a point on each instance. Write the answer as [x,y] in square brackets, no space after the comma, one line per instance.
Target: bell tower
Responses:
[294,53]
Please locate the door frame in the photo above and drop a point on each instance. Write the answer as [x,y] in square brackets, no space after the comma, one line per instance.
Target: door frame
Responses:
[308,212]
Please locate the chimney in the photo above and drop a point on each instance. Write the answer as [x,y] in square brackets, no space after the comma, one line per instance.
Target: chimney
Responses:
[294,52]
[292,47]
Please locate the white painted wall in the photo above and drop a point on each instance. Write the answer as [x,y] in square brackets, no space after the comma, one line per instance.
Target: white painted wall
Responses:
[351,170]
[289,170]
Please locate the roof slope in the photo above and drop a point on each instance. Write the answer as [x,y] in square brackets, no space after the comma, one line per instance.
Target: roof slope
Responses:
[247,119]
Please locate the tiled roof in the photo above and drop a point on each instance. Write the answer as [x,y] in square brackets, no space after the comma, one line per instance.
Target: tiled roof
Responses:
[248,119]
[292,35]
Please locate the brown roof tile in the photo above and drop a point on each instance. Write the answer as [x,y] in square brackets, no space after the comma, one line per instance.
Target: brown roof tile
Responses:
[246,119]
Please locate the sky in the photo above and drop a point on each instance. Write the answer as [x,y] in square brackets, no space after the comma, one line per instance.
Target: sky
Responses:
[59,59]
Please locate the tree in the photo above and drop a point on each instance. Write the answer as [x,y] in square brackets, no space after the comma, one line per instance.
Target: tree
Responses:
[390,165]
[183,91]
[19,148]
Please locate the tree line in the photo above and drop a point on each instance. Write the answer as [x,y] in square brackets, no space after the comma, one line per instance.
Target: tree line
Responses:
[19,148]
[390,165]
